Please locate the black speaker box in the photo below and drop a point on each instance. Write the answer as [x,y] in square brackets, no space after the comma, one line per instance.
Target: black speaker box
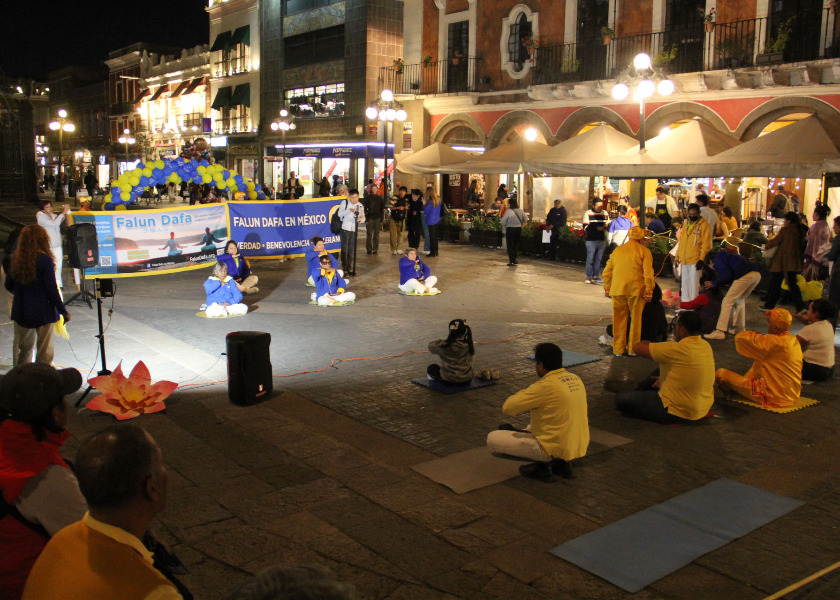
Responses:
[249,367]
[83,246]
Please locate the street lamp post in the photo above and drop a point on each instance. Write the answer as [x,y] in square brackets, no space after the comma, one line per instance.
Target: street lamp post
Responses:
[126,139]
[386,110]
[643,80]
[61,125]
[283,124]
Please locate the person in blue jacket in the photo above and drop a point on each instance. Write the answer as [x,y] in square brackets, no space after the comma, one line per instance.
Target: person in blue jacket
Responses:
[416,276]
[432,210]
[619,227]
[238,269]
[223,296]
[330,286]
[313,259]
[36,303]
[742,275]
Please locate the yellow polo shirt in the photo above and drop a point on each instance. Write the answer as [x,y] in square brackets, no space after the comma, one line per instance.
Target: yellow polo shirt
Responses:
[686,376]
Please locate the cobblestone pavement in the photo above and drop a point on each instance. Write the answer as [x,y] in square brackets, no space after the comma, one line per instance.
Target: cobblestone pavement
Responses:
[321,472]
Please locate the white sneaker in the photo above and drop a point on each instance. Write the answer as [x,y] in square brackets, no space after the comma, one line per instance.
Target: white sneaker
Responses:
[587,281]
[202,307]
[605,340]
[735,330]
[425,253]
[717,334]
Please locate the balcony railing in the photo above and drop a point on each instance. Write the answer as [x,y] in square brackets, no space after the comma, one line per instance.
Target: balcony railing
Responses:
[231,125]
[451,76]
[812,35]
[232,66]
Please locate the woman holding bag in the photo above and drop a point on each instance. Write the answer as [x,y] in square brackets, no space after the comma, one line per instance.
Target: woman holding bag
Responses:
[513,220]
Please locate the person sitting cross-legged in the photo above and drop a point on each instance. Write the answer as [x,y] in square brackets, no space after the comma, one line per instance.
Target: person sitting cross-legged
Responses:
[559,427]
[817,341]
[239,269]
[456,355]
[775,378]
[223,295]
[684,389]
[316,250]
[415,275]
[330,286]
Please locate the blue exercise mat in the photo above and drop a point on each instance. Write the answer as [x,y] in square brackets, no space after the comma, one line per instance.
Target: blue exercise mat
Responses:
[636,551]
[444,388]
[573,359]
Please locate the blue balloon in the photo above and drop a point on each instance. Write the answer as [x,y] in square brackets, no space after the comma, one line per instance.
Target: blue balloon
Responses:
[141,166]
[257,188]
[157,175]
[179,161]
[212,183]
[204,163]
[239,179]
[225,174]
[115,190]
[260,196]
[242,187]
[137,189]
[144,181]
[197,179]
[108,206]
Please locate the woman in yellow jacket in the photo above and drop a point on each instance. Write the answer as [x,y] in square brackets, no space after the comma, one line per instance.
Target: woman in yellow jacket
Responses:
[695,243]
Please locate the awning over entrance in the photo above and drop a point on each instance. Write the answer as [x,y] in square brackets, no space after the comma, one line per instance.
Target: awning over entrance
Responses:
[141,95]
[180,88]
[241,95]
[193,84]
[222,99]
[242,35]
[159,92]
[222,42]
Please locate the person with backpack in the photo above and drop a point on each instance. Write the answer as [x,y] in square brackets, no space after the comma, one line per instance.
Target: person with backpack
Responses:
[351,212]
[396,223]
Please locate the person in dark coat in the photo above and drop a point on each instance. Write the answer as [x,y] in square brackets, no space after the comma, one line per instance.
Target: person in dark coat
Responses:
[555,220]
[786,263]
[413,218]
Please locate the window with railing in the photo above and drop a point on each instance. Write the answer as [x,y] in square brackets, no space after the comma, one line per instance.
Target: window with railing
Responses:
[314,47]
[232,61]
[316,101]
[518,41]
[234,120]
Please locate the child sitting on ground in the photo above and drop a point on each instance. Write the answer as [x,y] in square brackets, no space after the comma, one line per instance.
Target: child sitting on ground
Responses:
[456,355]
[223,296]
[329,285]
[415,275]
[313,258]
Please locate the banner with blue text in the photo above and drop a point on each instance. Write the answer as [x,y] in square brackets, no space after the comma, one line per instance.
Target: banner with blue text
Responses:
[282,228]
[153,242]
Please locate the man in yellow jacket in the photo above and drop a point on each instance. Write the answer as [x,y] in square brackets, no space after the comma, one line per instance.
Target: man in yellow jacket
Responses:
[628,280]
[559,428]
[775,378]
[695,243]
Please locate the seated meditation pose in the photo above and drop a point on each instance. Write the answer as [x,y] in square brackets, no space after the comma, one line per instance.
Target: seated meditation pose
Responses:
[172,246]
[330,286]
[817,341]
[415,275]
[456,355]
[239,269]
[559,428]
[313,259]
[684,389]
[775,378]
[40,492]
[628,280]
[223,296]
[208,240]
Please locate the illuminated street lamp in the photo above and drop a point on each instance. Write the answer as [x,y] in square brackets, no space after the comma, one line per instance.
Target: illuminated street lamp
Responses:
[387,110]
[126,139]
[283,124]
[61,125]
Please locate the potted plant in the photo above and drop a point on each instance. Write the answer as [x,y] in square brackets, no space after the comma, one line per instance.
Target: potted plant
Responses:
[659,247]
[451,227]
[427,61]
[477,230]
[665,56]
[708,19]
[774,48]
[571,244]
[457,55]
[531,44]
[608,33]
[399,65]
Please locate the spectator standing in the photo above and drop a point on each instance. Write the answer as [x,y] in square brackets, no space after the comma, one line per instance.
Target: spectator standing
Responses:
[786,263]
[833,256]
[596,220]
[555,220]
[396,222]
[324,188]
[432,210]
[37,303]
[708,214]
[374,209]
[619,227]
[51,223]
[413,216]
[90,182]
[124,481]
[351,212]
[513,220]
[818,243]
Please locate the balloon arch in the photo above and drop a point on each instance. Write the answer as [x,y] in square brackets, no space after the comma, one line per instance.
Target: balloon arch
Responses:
[195,164]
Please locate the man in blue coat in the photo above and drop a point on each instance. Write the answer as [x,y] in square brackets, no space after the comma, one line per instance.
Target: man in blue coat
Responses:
[742,275]
[330,286]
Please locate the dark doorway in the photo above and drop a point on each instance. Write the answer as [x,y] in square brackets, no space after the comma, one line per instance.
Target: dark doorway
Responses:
[794,26]
[684,29]
[592,16]
[458,49]
[455,190]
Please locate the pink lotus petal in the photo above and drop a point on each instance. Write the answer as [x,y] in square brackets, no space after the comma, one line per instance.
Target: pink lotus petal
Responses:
[140,373]
[128,397]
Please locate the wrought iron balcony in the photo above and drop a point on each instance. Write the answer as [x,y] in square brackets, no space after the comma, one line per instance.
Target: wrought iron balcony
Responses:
[452,76]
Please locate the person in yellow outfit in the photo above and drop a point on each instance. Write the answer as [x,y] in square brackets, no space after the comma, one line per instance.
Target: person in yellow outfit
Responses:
[559,428]
[628,280]
[695,243]
[775,378]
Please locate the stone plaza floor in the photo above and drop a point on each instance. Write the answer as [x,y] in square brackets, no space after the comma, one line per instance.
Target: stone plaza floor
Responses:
[321,471]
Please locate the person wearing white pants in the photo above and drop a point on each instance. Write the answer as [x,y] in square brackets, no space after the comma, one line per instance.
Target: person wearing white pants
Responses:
[743,276]
[223,296]
[695,242]
[51,222]
[330,286]
[415,275]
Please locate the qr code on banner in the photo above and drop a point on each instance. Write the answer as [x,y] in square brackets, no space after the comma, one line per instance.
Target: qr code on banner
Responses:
[105,261]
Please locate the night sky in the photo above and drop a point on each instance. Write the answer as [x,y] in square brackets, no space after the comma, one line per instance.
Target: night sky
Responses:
[39,36]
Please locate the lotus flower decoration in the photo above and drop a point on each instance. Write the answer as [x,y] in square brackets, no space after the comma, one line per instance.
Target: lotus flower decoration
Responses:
[132,396]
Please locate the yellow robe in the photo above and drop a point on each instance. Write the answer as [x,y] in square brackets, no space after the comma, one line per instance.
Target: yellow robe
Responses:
[695,242]
[628,278]
[775,379]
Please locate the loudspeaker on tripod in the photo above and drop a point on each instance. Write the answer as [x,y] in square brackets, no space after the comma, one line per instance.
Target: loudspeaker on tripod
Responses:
[83,246]
[249,367]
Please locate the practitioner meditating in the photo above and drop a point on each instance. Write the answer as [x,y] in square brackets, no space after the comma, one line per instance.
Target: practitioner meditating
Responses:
[313,259]
[415,275]
[559,427]
[775,378]
[172,245]
[817,341]
[456,355]
[628,280]
[223,296]
[684,389]
[238,269]
[330,286]
[208,240]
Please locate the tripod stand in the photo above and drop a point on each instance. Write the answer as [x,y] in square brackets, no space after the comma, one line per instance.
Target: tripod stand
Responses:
[97,288]
[82,293]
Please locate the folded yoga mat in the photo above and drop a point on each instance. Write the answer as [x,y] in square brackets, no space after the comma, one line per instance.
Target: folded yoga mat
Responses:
[439,386]
[573,359]
[800,403]
[477,468]
[636,551]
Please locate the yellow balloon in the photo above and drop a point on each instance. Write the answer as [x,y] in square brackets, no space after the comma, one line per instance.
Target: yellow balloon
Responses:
[125,196]
[250,185]
[206,178]
[120,207]
[134,180]
[218,176]
[231,182]
[159,164]
[147,171]
[221,185]
[252,195]
[201,169]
